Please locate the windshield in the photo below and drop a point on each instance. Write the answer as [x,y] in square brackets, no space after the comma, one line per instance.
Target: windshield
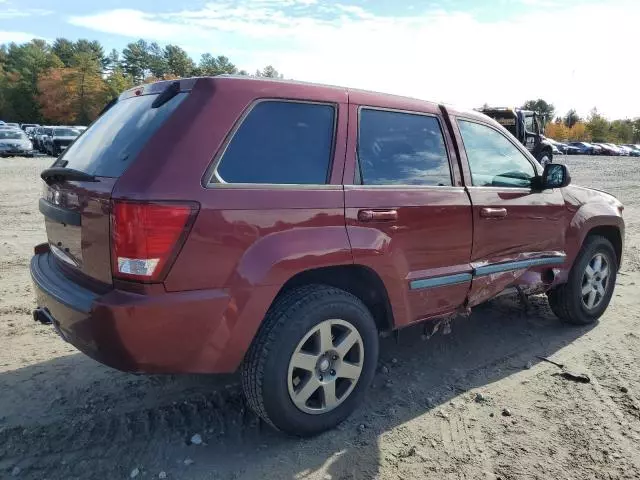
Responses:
[115,138]
[10,135]
[65,132]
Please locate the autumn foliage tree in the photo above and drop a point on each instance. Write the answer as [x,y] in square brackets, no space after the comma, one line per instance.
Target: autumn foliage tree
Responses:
[74,95]
[69,82]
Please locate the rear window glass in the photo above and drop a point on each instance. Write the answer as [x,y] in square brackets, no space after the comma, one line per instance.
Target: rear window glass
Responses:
[8,134]
[281,143]
[115,138]
[65,132]
[397,148]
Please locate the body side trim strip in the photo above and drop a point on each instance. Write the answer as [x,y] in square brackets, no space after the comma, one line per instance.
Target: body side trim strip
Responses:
[517,265]
[440,281]
[484,270]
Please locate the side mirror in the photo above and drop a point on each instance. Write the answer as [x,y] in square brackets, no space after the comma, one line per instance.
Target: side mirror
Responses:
[555,175]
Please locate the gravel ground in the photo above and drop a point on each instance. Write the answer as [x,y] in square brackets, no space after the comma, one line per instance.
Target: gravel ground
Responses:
[473,404]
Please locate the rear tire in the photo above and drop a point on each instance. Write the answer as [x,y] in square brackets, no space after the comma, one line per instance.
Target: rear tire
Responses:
[288,358]
[588,291]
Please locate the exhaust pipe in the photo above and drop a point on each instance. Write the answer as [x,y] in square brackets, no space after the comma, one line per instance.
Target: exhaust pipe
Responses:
[43,316]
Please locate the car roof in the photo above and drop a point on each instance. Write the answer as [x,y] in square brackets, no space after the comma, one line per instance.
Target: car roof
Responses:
[399,102]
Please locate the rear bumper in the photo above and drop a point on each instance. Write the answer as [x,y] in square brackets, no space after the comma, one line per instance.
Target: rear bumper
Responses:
[160,333]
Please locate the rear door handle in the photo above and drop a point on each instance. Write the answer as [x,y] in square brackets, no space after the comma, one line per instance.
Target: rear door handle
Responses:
[493,212]
[377,215]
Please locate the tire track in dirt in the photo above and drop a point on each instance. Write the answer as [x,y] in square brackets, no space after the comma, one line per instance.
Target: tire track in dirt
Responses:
[102,435]
[618,385]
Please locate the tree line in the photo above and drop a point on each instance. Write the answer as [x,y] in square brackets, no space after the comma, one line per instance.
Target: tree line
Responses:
[69,82]
[594,128]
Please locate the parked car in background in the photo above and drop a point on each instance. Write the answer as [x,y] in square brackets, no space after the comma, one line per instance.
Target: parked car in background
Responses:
[597,149]
[634,150]
[35,137]
[571,150]
[626,151]
[261,244]
[616,148]
[12,125]
[24,126]
[583,148]
[38,139]
[14,142]
[56,142]
[80,128]
[556,146]
[608,149]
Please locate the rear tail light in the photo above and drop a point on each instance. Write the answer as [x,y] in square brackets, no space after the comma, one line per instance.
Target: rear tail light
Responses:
[146,237]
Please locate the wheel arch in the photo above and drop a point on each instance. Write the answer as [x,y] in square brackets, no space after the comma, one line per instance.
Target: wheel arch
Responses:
[359,280]
[611,233]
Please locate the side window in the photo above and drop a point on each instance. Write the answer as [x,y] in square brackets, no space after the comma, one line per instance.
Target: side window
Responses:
[529,124]
[281,143]
[401,149]
[494,161]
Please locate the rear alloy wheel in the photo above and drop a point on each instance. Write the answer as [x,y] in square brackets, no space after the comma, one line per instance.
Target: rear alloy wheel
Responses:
[325,366]
[312,360]
[586,295]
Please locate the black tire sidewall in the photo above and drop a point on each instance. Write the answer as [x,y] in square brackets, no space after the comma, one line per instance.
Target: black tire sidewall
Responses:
[595,245]
[277,402]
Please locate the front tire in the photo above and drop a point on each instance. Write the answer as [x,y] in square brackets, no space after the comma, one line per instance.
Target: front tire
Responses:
[312,360]
[586,295]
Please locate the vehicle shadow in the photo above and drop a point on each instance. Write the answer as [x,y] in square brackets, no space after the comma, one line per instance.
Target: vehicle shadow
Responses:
[73,418]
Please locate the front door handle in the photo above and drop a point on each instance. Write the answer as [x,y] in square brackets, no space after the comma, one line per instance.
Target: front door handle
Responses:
[377,215]
[493,212]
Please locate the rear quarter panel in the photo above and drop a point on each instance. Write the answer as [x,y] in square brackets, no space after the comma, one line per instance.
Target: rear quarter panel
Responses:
[247,240]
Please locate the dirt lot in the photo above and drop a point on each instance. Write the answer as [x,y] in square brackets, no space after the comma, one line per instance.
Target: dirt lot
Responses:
[436,409]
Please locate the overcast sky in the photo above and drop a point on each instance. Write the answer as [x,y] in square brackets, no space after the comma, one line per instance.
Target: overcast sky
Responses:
[573,53]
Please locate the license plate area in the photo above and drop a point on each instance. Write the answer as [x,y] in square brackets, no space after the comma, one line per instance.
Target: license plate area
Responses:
[65,241]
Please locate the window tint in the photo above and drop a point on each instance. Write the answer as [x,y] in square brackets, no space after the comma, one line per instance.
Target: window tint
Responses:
[401,149]
[117,136]
[281,143]
[494,160]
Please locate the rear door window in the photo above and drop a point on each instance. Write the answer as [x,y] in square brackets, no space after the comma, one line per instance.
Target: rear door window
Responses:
[281,142]
[396,148]
[109,146]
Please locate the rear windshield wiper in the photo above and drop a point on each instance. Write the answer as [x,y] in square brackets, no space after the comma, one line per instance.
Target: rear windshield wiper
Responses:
[60,174]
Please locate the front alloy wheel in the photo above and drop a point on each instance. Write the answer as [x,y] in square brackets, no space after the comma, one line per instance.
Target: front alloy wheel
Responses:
[594,281]
[589,288]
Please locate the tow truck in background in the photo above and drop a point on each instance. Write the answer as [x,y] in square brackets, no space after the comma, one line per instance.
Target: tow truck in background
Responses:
[527,126]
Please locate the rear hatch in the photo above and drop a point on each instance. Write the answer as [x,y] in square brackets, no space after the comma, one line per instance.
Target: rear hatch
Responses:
[76,201]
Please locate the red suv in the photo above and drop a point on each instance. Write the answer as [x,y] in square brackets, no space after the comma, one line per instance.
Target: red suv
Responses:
[214,224]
